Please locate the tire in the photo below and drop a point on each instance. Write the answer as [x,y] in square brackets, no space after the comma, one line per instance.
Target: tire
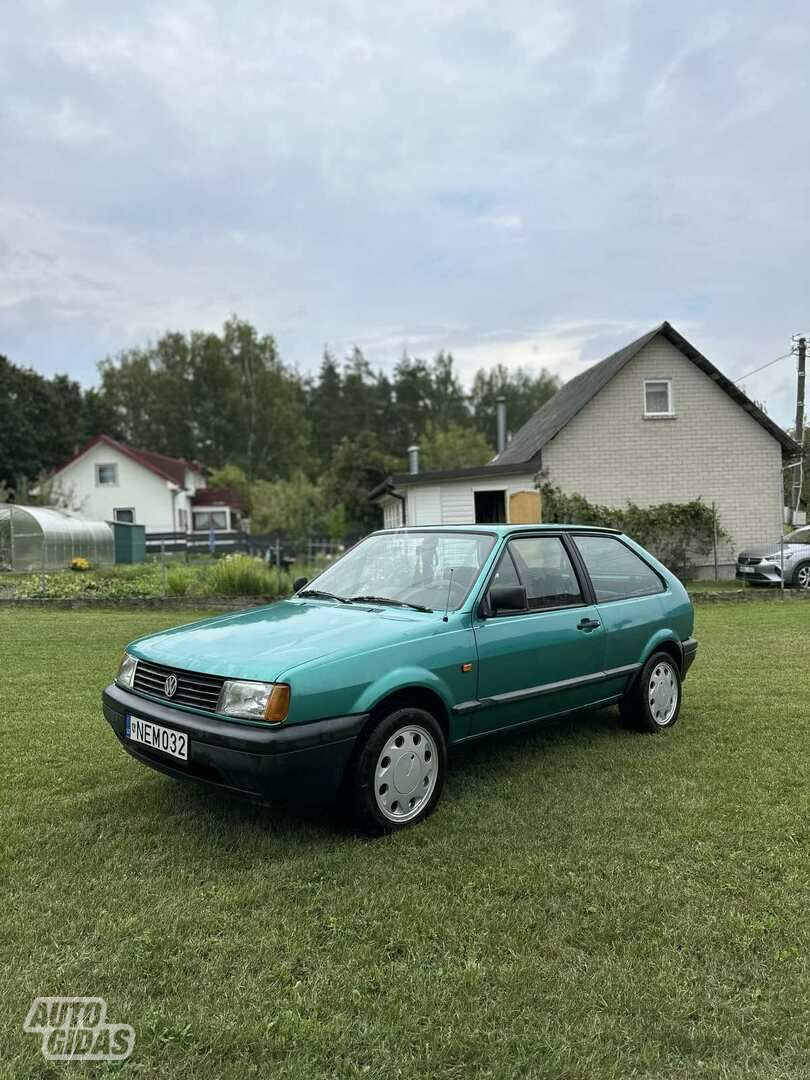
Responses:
[801,576]
[653,702]
[398,776]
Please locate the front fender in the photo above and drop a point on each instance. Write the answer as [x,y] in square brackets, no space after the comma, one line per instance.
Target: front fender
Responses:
[399,679]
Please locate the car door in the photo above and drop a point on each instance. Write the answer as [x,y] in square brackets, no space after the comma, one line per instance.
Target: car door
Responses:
[544,660]
[628,594]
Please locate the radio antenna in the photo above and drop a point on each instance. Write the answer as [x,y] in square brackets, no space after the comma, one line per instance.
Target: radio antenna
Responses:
[447,602]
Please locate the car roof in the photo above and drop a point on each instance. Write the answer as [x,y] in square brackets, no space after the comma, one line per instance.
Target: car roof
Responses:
[499,530]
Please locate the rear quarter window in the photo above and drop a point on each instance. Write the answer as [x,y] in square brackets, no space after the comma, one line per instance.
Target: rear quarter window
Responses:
[617,572]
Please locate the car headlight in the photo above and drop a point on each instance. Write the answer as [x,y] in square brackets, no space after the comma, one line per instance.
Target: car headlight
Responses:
[254,700]
[126,670]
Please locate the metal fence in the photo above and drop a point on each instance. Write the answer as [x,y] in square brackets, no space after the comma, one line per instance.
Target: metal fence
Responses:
[278,551]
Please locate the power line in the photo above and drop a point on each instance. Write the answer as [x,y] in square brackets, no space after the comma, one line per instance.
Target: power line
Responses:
[784,356]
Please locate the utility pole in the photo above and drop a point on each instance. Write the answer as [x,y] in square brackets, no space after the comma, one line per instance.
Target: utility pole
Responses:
[799,473]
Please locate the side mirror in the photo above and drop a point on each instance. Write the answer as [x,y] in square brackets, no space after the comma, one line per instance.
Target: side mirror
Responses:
[299,583]
[508,598]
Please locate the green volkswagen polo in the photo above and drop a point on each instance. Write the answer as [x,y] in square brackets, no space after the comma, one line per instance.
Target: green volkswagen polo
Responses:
[415,640]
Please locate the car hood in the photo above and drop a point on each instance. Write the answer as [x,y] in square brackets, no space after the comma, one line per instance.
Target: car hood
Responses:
[265,642]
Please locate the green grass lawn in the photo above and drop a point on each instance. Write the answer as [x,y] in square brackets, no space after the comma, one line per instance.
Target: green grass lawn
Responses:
[585,902]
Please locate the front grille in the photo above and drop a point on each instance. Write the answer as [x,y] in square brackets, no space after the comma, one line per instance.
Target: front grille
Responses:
[748,560]
[193,689]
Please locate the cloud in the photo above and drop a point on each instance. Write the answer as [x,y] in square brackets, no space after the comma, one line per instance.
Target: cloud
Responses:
[527,182]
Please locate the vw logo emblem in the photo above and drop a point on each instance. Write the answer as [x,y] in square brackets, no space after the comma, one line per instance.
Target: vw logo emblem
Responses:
[170,686]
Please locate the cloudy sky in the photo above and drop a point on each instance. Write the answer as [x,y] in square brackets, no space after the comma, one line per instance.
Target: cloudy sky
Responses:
[520,181]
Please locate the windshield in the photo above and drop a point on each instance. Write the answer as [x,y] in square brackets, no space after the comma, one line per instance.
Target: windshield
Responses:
[409,567]
[800,536]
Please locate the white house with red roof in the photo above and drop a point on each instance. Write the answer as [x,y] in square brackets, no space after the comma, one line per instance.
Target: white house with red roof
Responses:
[108,480]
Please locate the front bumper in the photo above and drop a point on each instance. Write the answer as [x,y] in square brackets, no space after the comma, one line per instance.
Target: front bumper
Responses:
[287,761]
[763,572]
[689,647]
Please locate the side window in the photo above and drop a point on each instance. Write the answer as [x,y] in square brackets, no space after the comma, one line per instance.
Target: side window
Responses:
[546,571]
[616,572]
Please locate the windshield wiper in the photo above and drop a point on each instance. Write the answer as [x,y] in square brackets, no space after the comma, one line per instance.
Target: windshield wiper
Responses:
[386,600]
[323,595]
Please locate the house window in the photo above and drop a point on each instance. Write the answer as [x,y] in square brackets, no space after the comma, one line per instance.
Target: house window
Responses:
[204,520]
[125,514]
[658,397]
[106,475]
[490,507]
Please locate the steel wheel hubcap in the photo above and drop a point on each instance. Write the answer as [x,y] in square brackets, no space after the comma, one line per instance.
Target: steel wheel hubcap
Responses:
[662,693]
[405,774]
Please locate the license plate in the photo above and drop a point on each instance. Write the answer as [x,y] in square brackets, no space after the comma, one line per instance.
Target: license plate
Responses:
[173,743]
[746,569]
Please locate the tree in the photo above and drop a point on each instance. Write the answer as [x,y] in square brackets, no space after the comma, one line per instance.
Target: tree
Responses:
[41,424]
[455,447]
[358,464]
[448,402]
[525,393]
[233,478]
[221,399]
[293,507]
[325,408]
[412,386]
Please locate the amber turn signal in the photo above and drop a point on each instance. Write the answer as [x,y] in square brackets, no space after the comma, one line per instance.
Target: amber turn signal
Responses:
[278,704]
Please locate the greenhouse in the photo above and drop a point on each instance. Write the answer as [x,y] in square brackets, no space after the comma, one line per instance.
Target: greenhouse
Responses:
[41,538]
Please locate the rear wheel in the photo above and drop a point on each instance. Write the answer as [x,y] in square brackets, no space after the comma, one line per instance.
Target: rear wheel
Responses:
[801,576]
[654,700]
[399,773]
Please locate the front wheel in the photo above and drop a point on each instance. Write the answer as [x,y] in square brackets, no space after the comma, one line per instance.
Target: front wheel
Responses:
[654,700]
[801,577]
[399,773]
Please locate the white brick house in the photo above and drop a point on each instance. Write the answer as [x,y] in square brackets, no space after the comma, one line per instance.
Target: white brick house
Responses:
[108,480]
[654,422]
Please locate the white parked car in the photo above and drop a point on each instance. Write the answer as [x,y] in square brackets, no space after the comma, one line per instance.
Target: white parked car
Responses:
[762,565]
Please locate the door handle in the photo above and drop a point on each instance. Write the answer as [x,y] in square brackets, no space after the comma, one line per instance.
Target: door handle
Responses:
[588,624]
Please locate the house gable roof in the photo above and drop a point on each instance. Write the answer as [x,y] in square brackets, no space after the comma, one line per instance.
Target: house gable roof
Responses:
[168,468]
[570,399]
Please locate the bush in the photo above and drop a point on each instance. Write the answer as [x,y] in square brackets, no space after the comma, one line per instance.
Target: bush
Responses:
[79,564]
[244,575]
[675,533]
[178,580]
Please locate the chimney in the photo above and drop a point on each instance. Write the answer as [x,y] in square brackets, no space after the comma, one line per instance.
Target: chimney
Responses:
[501,408]
[413,459]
